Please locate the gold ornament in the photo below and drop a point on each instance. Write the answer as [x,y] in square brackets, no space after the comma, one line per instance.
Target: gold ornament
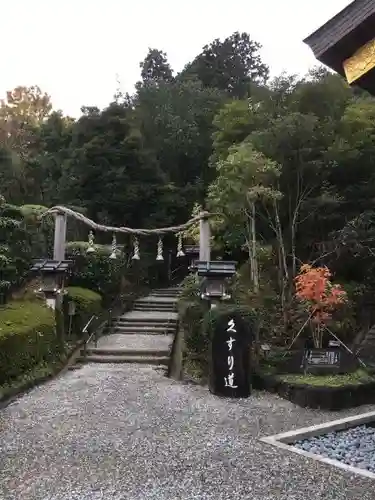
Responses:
[360,63]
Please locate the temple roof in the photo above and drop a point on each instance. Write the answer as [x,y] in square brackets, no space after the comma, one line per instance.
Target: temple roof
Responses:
[342,35]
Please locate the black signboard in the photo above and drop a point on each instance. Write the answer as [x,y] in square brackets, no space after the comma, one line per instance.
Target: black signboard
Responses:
[322,361]
[230,376]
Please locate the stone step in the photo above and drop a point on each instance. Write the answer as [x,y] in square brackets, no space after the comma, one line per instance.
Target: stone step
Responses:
[101,351]
[147,326]
[166,294]
[153,309]
[162,291]
[144,319]
[139,328]
[143,330]
[155,303]
[144,360]
[137,332]
[145,322]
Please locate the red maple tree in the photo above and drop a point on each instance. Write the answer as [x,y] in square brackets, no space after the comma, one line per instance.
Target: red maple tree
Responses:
[320,297]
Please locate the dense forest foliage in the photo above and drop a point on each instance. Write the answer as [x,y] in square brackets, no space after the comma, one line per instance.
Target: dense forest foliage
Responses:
[286,164]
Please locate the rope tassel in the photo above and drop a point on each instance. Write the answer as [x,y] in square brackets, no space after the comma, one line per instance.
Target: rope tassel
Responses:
[113,255]
[180,252]
[91,247]
[160,250]
[136,254]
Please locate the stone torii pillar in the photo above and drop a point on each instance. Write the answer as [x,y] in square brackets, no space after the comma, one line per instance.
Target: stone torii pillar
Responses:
[59,243]
[204,237]
[60,236]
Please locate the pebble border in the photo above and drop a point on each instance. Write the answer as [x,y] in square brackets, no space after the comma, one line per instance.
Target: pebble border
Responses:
[286,440]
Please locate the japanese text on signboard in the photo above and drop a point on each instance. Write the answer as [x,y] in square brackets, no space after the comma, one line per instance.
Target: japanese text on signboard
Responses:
[229,380]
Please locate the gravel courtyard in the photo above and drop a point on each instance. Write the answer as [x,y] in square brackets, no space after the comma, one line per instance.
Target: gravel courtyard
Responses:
[127,432]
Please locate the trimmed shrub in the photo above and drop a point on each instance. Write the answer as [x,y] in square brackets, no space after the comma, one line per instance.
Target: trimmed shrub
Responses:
[95,271]
[27,338]
[87,304]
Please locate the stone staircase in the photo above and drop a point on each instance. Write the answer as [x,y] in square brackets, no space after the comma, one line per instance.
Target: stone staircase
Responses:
[143,335]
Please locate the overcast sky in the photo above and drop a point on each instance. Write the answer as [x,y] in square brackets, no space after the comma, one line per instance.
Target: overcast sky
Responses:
[73,49]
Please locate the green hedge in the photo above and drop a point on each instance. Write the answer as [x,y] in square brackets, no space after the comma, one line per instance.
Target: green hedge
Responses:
[27,338]
[87,304]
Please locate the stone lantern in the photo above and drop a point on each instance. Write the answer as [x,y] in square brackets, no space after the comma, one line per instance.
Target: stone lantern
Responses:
[53,273]
[215,273]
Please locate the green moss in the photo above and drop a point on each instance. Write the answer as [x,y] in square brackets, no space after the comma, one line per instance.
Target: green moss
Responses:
[356,378]
[21,316]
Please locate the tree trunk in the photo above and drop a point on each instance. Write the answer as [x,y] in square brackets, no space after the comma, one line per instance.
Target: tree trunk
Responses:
[254,250]
[281,242]
[283,267]
[293,248]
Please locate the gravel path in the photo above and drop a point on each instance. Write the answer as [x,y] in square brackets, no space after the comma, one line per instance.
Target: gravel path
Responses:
[128,433]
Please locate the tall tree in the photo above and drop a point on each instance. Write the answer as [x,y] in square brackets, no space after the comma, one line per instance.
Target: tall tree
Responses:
[246,178]
[155,67]
[23,108]
[229,65]
[175,120]
[49,150]
[110,174]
